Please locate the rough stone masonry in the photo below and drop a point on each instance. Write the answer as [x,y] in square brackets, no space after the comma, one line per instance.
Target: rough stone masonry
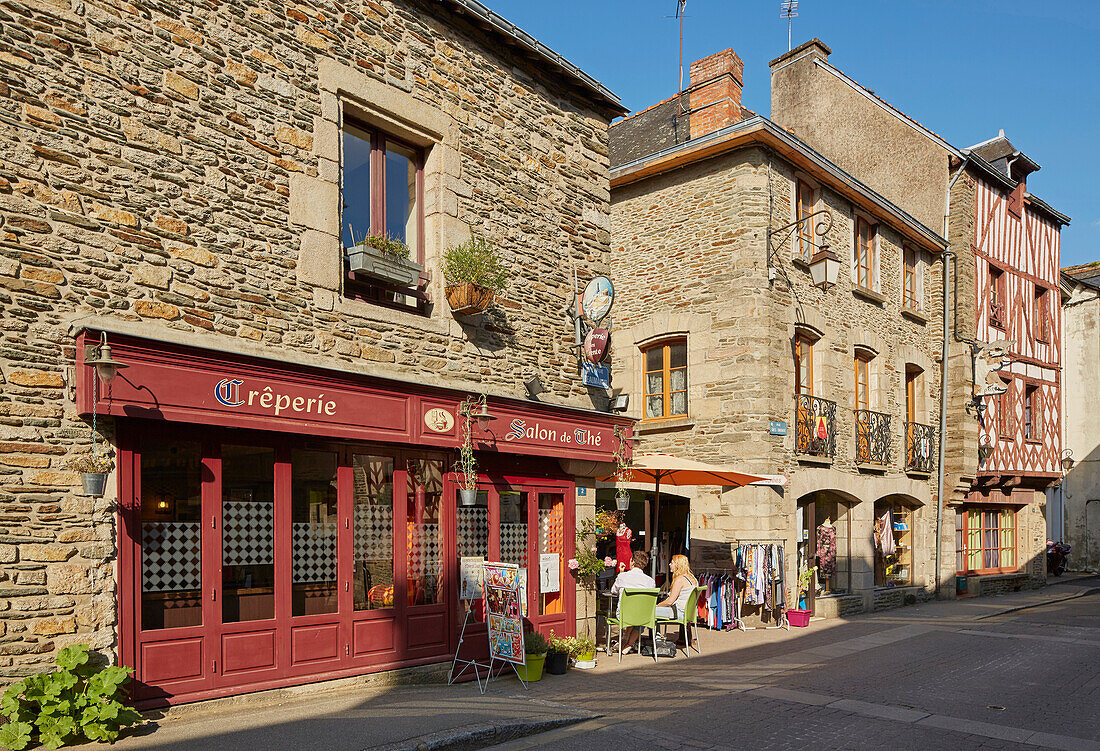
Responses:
[150,153]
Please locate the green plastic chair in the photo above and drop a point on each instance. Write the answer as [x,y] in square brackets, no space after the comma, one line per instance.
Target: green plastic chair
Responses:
[688,620]
[637,609]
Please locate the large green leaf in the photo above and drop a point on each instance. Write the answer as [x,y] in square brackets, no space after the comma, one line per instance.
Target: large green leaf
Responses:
[73,656]
[15,735]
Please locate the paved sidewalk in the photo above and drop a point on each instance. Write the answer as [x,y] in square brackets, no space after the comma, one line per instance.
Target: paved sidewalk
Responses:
[356,718]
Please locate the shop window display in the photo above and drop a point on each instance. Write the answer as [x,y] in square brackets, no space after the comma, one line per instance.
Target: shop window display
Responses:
[893,544]
[171,536]
[825,543]
[425,531]
[248,533]
[313,532]
[372,540]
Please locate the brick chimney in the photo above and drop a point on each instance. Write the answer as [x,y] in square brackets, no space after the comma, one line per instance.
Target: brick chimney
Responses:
[714,95]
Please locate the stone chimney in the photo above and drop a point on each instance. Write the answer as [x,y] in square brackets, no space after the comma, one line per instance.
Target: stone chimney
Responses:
[813,49]
[714,95]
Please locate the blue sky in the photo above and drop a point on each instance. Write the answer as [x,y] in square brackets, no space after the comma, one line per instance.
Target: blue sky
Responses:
[963,68]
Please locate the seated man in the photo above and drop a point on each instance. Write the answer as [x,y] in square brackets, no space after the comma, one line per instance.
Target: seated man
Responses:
[635,578]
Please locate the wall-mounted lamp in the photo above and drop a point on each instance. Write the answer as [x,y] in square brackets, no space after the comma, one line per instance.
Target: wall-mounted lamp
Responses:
[985,449]
[481,415]
[533,386]
[824,267]
[106,367]
[163,504]
[619,402]
[1067,460]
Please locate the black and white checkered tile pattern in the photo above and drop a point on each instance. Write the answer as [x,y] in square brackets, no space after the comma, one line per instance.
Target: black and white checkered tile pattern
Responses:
[314,551]
[171,559]
[473,531]
[248,533]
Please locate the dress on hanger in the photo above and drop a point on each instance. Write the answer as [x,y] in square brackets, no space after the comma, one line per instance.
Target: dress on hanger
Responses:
[826,551]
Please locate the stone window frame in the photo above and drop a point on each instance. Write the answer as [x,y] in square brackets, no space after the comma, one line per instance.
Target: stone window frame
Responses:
[876,250]
[801,178]
[662,341]
[315,198]
[811,335]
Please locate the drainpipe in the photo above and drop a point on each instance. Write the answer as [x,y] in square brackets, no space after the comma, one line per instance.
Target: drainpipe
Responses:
[948,255]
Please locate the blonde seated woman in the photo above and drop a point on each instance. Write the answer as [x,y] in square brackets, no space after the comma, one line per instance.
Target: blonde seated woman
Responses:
[683,582]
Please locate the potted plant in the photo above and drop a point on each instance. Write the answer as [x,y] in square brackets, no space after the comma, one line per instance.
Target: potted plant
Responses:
[583,652]
[534,647]
[475,273]
[557,654]
[800,616]
[384,258]
[467,461]
[93,469]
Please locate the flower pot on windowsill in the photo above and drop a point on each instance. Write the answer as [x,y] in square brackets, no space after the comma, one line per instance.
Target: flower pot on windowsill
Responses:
[402,272]
[468,298]
[94,483]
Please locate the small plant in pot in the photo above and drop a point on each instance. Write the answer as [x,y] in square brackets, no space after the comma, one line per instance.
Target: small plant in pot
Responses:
[467,461]
[385,258]
[93,469]
[557,654]
[534,647]
[582,650]
[475,273]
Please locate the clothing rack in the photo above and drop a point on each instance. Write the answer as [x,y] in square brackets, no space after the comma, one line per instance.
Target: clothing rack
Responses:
[783,622]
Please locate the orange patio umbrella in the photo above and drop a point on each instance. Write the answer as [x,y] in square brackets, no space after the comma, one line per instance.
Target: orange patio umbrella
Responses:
[674,470]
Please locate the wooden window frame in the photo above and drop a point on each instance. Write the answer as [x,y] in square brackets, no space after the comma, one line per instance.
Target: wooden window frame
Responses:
[862,362]
[997,295]
[806,243]
[803,359]
[910,288]
[666,380]
[1033,409]
[871,237]
[1005,512]
[1006,413]
[912,377]
[360,287]
[1041,325]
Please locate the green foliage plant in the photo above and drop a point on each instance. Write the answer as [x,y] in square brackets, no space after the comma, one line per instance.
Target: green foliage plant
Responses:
[559,644]
[586,564]
[476,261]
[388,246]
[86,463]
[534,643]
[77,702]
[581,645]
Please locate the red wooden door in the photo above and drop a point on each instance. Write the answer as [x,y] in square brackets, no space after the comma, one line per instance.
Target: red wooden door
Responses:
[551,595]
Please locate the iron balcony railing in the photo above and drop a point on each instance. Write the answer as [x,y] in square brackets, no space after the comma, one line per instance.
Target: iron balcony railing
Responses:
[872,437]
[815,423]
[920,444]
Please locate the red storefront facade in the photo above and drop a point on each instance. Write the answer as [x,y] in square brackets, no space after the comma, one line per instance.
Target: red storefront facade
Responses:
[282,524]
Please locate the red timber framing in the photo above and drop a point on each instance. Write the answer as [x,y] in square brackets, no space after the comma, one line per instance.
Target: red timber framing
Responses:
[259,549]
[1016,269]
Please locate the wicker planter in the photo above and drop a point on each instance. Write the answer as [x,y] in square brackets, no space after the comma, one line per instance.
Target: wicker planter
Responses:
[468,298]
[401,272]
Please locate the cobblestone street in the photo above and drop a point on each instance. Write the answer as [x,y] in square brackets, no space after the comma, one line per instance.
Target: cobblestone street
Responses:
[920,678]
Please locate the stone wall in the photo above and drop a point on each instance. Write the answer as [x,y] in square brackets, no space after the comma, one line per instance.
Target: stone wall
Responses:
[689,250]
[1081,486]
[171,170]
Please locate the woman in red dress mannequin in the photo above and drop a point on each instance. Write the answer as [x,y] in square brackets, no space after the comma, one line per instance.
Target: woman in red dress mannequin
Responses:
[622,549]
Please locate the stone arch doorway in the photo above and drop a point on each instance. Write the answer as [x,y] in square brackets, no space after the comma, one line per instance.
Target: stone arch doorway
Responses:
[824,542]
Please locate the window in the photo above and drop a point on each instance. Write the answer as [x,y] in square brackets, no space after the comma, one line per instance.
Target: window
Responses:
[985,540]
[803,366]
[1033,414]
[912,389]
[893,543]
[865,254]
[381,196]
[1042,319]
[863,363]
[996,297]
[909,284]
[804,202]
[665,380]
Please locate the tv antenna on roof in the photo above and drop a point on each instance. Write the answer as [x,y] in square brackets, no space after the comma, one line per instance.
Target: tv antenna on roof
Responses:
[788,9]
[680,5]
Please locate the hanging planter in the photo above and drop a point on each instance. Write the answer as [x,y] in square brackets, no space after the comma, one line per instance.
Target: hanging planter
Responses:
[469,298]
[467,496]
[474,273]
[622,501]
[384,259]
[93,469]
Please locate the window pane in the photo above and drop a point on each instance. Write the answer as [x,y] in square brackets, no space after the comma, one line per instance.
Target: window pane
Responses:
[654,406]
[355,191]
[171,536]
[654,383]
[551,543]
[401,194]
[513,527]
[313,532]
[425,531]
[677,355]
[679,403]
[654,358]
[473,542]
[678,380]
[248,533]
[372,537]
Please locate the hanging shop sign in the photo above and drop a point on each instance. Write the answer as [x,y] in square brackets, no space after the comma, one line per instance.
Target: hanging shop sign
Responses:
[599,294]
[595,344]
[503,611]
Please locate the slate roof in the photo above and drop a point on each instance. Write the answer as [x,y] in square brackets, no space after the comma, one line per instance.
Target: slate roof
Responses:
[652,130]
[1086,273]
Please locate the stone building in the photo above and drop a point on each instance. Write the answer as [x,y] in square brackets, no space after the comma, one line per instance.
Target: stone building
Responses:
[188,186]
[1075,504]
[732,355]
[1004,357]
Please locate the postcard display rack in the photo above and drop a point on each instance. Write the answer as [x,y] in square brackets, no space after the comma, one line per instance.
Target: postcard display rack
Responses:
[500,587]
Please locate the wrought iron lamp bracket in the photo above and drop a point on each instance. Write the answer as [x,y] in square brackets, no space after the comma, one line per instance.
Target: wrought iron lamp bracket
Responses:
[821,229]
